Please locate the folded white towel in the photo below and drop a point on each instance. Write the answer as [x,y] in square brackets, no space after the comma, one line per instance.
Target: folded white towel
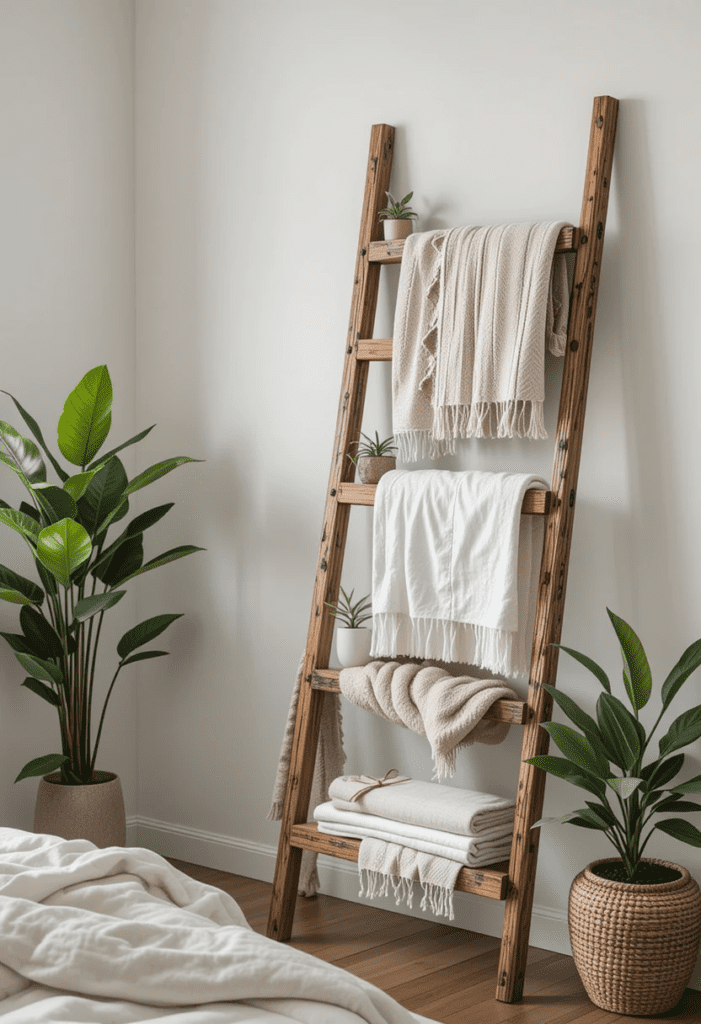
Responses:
[455,568]
[475,309]
[463,812]
[467,850]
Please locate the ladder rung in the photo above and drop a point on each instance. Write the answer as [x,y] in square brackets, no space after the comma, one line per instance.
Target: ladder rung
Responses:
[376,349]
[535,502]
[391,252]
[515,712]
[488,881]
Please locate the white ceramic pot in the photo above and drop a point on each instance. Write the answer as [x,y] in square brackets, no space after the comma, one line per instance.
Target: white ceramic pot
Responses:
[397,228]
[353,646]
[94,812]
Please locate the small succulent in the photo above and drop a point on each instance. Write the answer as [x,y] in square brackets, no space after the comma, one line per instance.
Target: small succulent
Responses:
[372,449]
[397,209]
[352,616]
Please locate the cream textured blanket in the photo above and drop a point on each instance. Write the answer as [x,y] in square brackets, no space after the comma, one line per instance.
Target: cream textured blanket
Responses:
[464,812]
[455,568]
[447,710]
[381,864]
[475,308]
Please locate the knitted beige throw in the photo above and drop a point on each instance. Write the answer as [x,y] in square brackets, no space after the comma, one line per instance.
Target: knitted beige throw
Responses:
[475,309]
[448,710]
[330,759]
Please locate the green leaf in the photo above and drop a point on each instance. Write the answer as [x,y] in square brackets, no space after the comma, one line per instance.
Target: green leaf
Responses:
[103,495]
[21,523]
[673,803]
[24,453]
[143,656]
[575,713]
[618,730]
[688,663]
[690,786]
[55,503]
[592,817]
[39,668]
[142,634]
[62,547]
[564,769]
[624,786]
[636,670]
[42,690]
[75,485]
[680,829]
[167,556]
[17,642]
[683,730]
[30,510]
[12,583]
[146,519]
[156,472]
[42,765]
[47,580]
[90,606]
[41,635]
[604,813]
[34,427]
[578,749]
[104,459]
[124,563]
[588,663]
[86,417]
[658,773]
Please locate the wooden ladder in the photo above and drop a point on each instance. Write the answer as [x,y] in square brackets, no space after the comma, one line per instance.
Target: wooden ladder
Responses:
[514,881]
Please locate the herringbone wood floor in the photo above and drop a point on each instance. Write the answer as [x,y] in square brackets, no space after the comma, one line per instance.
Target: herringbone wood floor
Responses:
[444,973]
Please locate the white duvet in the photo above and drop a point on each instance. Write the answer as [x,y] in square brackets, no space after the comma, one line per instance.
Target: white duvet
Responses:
[118,936]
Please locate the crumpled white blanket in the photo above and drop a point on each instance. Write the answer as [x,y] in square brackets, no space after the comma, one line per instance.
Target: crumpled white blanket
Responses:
[82,927]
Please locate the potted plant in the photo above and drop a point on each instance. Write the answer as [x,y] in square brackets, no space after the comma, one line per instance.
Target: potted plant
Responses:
[353,639]
[635,923]
[373,459]
[397,217]
[82,573]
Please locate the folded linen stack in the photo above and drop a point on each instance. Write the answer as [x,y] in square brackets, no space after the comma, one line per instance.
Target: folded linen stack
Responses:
[417,831]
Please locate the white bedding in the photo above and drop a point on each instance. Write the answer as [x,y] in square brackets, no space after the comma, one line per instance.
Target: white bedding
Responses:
[118,936]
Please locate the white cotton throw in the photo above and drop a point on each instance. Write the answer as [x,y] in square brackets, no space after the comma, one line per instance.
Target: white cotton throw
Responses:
[448,710]
[381,865]
[463,812]
[475,309]
[455,568]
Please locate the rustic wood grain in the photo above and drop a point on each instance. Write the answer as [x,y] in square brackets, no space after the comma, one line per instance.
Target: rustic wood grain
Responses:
[556,552]
[391,252]
[333,534]
[535,502]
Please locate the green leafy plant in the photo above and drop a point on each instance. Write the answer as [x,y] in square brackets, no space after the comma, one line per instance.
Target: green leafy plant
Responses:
[82,573]
[397,209]
[351,615]
[372,449]
[629,793]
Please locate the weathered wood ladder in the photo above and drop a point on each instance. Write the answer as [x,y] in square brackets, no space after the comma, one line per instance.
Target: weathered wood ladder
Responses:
[513,883]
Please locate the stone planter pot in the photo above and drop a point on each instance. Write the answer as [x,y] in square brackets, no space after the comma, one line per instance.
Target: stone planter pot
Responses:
[372,467]
[353,646]
[94,812]
[634,946]
[395,229]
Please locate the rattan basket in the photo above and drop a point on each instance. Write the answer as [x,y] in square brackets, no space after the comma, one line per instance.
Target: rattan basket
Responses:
[634,946]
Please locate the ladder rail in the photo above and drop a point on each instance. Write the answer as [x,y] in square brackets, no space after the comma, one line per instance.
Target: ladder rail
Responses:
[333,538]
[556,548]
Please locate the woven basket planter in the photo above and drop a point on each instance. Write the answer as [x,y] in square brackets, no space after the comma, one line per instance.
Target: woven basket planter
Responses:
[372,467]
[634,946]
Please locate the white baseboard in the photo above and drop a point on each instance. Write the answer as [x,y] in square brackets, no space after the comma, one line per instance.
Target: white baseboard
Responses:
[339,878]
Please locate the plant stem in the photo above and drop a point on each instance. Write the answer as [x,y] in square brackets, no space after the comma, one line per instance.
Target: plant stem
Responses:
[102,716]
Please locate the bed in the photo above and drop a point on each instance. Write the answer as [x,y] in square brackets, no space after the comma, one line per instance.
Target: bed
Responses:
[119,936]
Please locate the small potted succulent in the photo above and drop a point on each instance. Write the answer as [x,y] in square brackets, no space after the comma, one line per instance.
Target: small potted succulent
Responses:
[353,639]
[642,914]
[373,458]
[397,217]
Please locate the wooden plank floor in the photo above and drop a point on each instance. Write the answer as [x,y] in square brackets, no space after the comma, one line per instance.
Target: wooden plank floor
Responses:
[444,973]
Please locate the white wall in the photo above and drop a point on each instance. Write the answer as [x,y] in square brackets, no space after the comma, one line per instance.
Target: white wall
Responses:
[66,297]
[252,125]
